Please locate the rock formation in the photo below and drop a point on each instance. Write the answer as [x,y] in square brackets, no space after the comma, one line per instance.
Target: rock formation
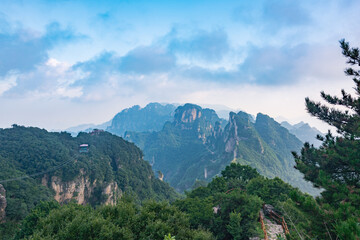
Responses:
[2,203]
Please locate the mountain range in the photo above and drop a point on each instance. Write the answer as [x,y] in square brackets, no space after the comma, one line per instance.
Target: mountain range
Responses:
[188,143]
[197,145]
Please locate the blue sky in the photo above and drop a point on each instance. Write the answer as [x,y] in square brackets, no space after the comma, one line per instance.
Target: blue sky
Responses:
[64,63]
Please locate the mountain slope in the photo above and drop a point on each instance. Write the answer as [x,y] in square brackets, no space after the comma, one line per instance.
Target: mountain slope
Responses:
[37,165]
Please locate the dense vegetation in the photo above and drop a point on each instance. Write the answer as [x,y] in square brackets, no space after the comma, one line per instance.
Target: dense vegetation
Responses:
[335,166]
[30,156]
[197,145]
[126,220]
[238,196]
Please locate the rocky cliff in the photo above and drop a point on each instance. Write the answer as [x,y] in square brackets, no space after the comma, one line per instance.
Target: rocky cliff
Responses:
[2,203]
[82,189]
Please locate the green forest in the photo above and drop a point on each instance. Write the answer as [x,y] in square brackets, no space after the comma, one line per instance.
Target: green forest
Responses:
[228,207]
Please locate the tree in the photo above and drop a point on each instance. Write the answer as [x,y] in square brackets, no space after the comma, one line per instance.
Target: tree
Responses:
[335,166]
[238,171]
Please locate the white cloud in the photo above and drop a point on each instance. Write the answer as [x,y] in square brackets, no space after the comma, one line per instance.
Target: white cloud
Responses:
[7,82]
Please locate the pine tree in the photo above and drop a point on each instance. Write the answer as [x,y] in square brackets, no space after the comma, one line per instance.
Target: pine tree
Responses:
[335,166]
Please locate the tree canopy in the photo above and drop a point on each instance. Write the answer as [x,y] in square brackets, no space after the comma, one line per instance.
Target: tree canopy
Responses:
[335,166]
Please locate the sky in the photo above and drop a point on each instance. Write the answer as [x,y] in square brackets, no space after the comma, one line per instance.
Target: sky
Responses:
[65,63]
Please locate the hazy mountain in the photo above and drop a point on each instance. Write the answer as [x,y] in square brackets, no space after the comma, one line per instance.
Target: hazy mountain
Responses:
[150,118]
[304,132]
[87,128]
[197,145]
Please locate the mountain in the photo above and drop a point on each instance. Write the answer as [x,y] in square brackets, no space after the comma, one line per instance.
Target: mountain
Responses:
[92,168]
[198,144]
[87,127]
[150,118]
[304,132]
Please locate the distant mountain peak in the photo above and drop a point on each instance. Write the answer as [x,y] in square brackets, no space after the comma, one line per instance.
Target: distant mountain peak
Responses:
[150,118]
[187,114]
[304,132]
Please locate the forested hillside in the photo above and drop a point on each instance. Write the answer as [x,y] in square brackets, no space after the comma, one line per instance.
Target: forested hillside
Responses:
[36,165]
[227,208]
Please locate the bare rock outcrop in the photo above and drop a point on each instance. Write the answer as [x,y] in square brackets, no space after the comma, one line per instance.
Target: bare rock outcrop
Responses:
[81,189]
[2,203]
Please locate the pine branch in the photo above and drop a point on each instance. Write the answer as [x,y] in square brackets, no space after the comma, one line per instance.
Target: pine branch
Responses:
[351,53]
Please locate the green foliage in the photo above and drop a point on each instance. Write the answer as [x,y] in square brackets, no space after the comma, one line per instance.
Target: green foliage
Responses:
[169,237]
[335,166]
[234,227]
[126,220]
[31,157]
[31,221]
[230,204]
[225,206]
[237,171]
[269,190]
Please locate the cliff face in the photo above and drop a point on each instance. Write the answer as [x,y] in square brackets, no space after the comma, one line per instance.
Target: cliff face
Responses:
[81,189]
[202,122]
[2,203]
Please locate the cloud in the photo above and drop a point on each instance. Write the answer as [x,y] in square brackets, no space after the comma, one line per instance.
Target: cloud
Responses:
[272,65]
[209,46]
[22,49]
[268,65]
[7,82]
[157,66]
[147,59]
[48,80]
[152,66]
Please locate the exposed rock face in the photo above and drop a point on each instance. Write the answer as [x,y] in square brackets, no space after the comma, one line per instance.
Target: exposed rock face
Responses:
[80,189]
[112,192]
[231,138]
[203,122]
[2,203]
[186,115]
[160,176]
